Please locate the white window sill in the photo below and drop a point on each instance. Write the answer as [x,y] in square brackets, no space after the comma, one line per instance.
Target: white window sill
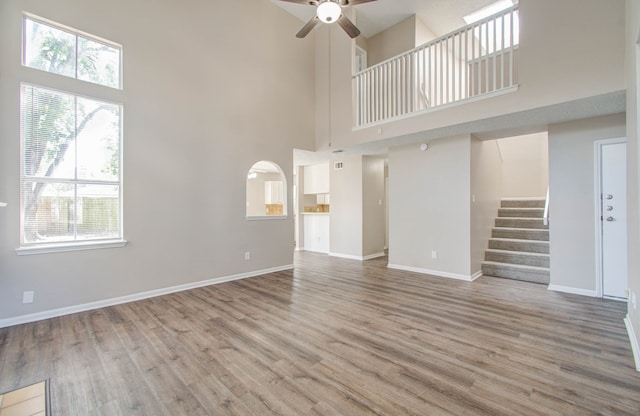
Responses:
[56,248]
[267,217]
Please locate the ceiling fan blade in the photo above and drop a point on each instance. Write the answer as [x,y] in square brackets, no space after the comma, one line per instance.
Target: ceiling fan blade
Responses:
[348,26]
[353,2]
[306,2]
[308,27]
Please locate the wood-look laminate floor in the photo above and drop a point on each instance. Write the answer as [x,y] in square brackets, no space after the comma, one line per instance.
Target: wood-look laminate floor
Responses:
[335,337]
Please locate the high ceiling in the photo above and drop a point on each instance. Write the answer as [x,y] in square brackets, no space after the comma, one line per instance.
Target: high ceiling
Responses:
[441,16]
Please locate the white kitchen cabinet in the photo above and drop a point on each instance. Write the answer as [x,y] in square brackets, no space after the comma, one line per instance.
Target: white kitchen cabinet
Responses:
[316,179]
[316,232]
[273,192]
[322,199]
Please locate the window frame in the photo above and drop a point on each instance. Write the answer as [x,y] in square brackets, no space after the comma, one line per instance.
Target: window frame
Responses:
[77,33]
[77,89]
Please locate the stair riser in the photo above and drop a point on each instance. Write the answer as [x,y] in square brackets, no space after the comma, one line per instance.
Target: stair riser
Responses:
[533,234]
[527,276]
[520,213]
[520,223]
[522,204]
[528,246]
[526,260]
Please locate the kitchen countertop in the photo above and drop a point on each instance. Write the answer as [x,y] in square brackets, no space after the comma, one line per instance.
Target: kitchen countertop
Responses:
[315,213]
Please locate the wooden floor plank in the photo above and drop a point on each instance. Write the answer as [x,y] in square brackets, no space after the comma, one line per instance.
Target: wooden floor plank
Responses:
[335,337]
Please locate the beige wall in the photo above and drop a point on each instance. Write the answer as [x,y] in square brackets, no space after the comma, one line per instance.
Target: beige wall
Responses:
[346,208]
[429,207]
[525,165]
[633,155]
[197,114]
[373,206]
[486,191]
[553,45]
[571,199]
[391,42]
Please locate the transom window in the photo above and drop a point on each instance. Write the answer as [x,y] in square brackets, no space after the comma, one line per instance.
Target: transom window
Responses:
[67,52]
[71,144]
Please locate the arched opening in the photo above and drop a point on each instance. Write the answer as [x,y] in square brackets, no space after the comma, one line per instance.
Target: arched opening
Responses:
[266,191]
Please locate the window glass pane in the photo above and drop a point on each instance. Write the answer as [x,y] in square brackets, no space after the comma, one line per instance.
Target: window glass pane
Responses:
[49,49]
[98,212]
[55,50]
[48,125]
[98,140]
[49,212]
[71,167]
[98,63]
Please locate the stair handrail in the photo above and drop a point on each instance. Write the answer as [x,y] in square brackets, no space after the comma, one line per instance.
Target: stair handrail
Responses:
[545,215]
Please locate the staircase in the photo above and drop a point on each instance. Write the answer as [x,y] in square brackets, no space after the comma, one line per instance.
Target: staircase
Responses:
[519,243]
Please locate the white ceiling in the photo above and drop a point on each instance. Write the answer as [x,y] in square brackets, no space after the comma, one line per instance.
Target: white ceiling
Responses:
[441,16]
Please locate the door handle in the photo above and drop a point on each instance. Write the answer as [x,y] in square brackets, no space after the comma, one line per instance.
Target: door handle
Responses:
[610,219]
[609,196]
[609,208]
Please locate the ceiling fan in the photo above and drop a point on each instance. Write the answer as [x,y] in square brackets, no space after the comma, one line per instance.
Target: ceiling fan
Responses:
[329,11]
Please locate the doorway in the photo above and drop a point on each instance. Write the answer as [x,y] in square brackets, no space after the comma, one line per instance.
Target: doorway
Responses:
[611,218]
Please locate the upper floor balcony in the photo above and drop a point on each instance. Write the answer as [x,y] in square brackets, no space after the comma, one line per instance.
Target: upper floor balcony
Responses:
[537,63]
[476,61]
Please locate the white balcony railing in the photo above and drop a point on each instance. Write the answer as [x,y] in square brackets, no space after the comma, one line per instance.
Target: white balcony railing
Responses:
[473,61]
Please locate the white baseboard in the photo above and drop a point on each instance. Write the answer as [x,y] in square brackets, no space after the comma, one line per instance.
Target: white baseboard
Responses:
[635,348]
[476,275]
[360,258]
[466,278]
[39,316]
[573,290]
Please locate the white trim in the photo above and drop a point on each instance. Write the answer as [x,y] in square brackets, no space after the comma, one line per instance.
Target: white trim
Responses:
[437,273]
[58,248]
[476,275]
[266,217]
[475,98]
[134,297]
[633,339]
[574,290]
[597,189]
[360,258]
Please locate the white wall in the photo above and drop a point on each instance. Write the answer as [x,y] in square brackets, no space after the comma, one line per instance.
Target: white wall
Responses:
[429,208]
[373,206]
[632,42]
[571,199]
[486,191]
[346,234]
[200,83]
[525,166]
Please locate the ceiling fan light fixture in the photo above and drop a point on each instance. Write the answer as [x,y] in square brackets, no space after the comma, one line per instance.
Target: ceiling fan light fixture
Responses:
[328,11]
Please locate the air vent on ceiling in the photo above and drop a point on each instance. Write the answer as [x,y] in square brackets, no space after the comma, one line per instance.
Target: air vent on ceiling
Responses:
[337,165]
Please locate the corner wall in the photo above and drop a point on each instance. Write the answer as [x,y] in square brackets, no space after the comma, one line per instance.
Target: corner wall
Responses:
[572,229]
[632,42]
[429,208]
[486,192]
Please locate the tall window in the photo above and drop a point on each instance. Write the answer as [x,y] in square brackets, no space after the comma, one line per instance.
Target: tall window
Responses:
[71,145]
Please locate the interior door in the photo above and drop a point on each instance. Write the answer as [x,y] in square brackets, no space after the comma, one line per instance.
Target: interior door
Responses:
[613,175]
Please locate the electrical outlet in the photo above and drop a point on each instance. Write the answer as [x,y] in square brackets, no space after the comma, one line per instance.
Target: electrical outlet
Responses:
[247,255]
[27,297]
[434,254]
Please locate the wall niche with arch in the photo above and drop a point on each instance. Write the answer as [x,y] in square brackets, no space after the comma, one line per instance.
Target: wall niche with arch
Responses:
[266,191]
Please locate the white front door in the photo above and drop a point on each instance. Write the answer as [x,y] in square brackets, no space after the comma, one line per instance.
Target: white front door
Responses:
[613,214]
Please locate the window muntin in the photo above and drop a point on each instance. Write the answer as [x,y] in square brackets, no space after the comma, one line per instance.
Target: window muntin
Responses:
[70,53]
[71,164]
